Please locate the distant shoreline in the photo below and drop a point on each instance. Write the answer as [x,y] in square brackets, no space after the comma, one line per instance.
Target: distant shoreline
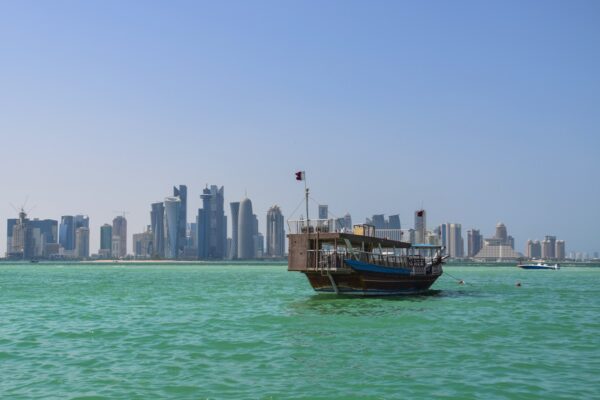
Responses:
[103,262]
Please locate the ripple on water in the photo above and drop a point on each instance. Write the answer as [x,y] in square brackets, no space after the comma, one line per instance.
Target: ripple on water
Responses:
[252,331]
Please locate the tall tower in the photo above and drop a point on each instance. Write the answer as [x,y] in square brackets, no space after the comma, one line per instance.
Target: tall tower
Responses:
[420,226]
[82,242]
[275,233]
[235,212]
[22,237]
[547,250]
[119,232]
[211,224]
[378,221]
[106,239]
[474,242]
[181,194]
[394,222]
[82,221]
[172,210]
[455,240]
[560,250]
[245,230]
[551,246]
[536,249]
[66,234]
[157,225]
[348,222]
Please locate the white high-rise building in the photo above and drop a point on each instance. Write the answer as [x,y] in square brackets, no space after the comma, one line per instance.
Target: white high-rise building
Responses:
[246,231]
[455,241]
[560,250]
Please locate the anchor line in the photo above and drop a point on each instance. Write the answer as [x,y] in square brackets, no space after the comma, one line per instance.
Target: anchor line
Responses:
[452,276]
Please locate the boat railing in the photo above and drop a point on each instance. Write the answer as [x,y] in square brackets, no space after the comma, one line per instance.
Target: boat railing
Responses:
[333,261]
[313,225]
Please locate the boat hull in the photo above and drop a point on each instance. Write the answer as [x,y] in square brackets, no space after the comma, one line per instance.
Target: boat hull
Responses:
[536,267]
[364,283]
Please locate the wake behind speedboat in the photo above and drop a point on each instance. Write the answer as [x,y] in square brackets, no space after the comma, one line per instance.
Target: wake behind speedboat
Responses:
[539,265]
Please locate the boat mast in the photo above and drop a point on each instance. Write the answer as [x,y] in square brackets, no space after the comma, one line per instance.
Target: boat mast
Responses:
[306,201]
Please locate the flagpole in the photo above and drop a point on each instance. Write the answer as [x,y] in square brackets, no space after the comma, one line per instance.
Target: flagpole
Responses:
[306,201]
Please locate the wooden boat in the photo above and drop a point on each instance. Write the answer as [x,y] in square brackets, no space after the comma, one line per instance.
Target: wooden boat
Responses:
[360,263]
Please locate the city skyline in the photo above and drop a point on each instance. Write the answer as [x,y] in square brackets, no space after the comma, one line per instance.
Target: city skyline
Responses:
[208,237]
[104,105]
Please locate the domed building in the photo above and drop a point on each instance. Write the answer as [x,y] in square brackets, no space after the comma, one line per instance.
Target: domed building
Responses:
[500,247]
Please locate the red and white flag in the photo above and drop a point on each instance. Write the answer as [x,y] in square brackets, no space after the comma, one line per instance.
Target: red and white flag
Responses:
[300,175]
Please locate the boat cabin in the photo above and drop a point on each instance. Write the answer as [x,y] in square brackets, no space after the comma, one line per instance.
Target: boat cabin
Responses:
[315,246]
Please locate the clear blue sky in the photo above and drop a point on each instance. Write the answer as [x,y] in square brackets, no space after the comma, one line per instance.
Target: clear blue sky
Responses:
[480,111]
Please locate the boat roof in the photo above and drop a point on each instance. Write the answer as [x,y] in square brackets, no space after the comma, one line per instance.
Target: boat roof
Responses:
[426,246]
[355,239]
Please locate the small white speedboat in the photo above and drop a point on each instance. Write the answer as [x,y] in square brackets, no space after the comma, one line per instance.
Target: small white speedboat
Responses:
[539,265]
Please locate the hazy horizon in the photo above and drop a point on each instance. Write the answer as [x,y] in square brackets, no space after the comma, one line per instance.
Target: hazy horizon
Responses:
[479,112]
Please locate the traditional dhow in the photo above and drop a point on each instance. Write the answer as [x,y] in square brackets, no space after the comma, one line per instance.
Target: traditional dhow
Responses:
[360,263]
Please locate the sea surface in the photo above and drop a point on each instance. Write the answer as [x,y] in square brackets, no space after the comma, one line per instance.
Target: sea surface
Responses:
[214,331]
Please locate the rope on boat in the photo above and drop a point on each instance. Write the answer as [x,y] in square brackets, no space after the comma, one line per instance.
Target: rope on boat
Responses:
[460,281]
[297,207]
[328,211]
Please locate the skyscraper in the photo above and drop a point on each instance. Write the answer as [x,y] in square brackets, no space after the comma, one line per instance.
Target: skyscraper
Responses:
[37,237]
[43,233]
[82,242]
[348,222]
[172,210]
[143,244]
[535,249]
[246,230]
[420,226]
[257,238]
[560,250]
[455,241]
[119,234]
[323,211]
[211,224]
[181,193]
[444,237]
[22,238]
[259,245]
[378,221]
[547,250]
[235,212]
[106,240]
[10,223]
[474,242]
[394,222]
[67,232]
[157,225]
[82,221]
[551,246]
[275,233]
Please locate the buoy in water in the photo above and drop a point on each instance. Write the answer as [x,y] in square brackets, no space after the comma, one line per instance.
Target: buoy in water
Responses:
[461,282]
[518,284]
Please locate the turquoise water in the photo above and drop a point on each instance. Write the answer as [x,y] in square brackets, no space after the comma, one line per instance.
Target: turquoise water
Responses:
[257,331]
